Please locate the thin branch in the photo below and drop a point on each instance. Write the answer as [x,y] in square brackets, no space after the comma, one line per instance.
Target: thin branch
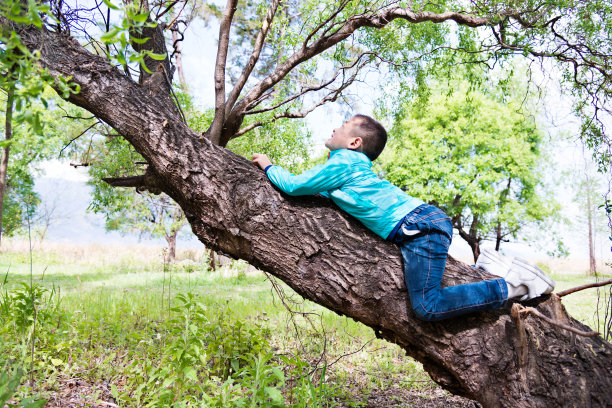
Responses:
[132,181]
[582,287]
[324,22]
[378,20]
[169,27]
[311,89]
[259,42]
[76,137]
[167,9]
[531,310]
[332,96]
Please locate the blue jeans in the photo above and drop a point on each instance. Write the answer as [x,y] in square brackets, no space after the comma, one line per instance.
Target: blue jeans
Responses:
[424,238]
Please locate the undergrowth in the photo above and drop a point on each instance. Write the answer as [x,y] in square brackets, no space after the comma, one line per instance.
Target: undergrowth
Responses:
[183,337]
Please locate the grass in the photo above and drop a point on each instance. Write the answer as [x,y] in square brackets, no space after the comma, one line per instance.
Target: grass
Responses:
[114,318]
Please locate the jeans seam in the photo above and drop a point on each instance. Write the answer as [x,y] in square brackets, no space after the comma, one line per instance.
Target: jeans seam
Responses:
[459,308]
[428,271]
[504,295]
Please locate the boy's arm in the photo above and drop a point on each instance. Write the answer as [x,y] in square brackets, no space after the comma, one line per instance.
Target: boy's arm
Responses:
[319,179]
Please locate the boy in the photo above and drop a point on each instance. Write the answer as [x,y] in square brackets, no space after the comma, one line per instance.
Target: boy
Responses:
[422,231]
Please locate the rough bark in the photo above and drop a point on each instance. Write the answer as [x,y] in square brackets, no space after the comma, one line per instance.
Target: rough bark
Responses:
[332,260]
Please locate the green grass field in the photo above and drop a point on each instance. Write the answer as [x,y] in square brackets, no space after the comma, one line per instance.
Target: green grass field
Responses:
[119,327]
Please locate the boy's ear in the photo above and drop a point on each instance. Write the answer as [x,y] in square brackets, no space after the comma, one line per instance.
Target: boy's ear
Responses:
[355,144]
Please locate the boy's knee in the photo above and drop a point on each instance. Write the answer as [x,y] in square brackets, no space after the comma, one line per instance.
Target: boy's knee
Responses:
[422,313]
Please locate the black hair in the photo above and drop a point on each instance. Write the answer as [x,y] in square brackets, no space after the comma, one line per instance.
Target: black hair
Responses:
[373,136]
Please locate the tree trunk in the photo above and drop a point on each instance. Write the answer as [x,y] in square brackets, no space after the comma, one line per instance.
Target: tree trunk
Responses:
[498,236]
[8,132]
[592,262]
[178,57]
[331,259]
[171,240]
[472,241]
[212,263]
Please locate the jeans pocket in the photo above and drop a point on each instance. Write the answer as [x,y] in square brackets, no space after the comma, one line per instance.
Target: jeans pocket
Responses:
[444,225]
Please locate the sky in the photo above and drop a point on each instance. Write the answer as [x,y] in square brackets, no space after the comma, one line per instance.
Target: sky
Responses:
[67,186]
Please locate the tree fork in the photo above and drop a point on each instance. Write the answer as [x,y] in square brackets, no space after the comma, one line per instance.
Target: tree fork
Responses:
[331,259]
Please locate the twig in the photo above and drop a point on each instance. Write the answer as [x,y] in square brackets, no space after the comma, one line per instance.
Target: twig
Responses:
[169,27]
[75,138]
[531,310]
[585,286]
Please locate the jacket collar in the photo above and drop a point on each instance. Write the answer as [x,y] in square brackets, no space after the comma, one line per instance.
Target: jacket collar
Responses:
[358,156]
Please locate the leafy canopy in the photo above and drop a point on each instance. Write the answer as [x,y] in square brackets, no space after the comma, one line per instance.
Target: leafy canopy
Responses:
[479,159]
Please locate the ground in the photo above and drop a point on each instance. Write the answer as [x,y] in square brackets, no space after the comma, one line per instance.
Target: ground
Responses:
[111,319]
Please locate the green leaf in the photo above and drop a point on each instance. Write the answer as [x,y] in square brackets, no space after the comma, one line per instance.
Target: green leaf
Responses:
[110,5]
[157,57]
[141,18]
[33,403]
[109,36]
[33,14]
[274,394]
[190,373]
[56,361]
[140,40]
[169,380]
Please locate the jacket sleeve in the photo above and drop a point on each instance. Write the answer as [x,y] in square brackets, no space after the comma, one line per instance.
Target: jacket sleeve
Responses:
[319,179]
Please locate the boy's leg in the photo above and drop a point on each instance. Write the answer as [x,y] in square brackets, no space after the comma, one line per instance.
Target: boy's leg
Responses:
[424,262]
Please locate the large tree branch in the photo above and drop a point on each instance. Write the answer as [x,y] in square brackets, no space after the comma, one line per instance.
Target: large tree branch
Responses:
[214,132]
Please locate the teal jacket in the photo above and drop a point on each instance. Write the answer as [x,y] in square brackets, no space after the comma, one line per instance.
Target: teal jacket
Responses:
[347,178]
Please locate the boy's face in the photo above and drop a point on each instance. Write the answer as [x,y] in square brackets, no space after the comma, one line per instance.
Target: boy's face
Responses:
[344,136]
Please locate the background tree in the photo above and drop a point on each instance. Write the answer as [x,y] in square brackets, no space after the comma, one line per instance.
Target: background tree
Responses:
[476,157]
[321,253]
[31,136]
[588,195]
[22,94]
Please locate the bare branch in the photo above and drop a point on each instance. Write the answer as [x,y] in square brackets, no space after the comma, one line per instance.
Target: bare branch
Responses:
[314,88]
[324,22]
[144,182]
[76,137]
[214,131]
[259,42]
[582,287]
[531,310]
[170,6]
[170,26]
[330,97]
[377,20]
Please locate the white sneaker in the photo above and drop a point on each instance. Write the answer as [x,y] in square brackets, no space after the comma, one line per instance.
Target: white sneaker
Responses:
[493,262]
[523,273]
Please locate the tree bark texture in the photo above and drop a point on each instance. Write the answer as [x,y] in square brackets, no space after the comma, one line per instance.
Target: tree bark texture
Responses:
[331,259]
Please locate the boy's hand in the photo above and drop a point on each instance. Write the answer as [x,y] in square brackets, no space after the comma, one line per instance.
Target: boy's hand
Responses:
[261,160]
